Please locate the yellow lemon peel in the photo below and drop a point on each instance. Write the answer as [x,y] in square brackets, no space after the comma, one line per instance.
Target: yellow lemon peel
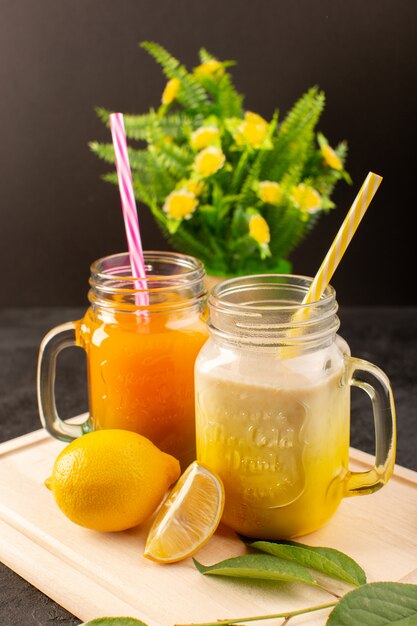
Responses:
[111,480]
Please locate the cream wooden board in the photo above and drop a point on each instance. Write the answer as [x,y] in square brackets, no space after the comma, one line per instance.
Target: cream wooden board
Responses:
[96,574]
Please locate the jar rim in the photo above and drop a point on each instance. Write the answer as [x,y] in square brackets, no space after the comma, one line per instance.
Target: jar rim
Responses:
[193,271]
[267,310]
[220,292]
[174,281]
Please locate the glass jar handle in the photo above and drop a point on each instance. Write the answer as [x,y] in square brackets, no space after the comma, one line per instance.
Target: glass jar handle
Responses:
[376,384]
[60,337]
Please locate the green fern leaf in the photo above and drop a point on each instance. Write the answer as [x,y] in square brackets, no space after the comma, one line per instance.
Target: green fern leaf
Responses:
[293,177]
[104,151]
[137,126]
[148,176]
[288,227]
[228,100]
[283,223]
[247,193]
[155,132]
[291,237]
[191,94]
[177,125]
[278,219]
[176,159]
[205,55]
[341,151]
[138,159]
[190,244]
[103,114]
[299,233]
[295,135]
[239,172]
[322,177]
[158,177]
[110,177]
[140,190]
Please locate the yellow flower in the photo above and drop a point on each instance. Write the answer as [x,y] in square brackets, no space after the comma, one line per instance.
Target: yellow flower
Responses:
[171,90]
[209,68]
[259,229]
[209,161]
[306,198]
[194,186]
[253,130]
[330,157]
[204,136]
[180,204]
[270,192]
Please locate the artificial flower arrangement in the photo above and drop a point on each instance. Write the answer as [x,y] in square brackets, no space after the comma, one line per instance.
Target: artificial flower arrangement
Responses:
[223,183]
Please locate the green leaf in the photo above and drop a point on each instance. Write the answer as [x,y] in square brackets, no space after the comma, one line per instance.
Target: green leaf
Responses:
[247,193]
[137,158]
[155,177]
[295,135]
[377,604]
[286,227]
[191,94]
[328,561]
[173,225]
[260,567]
[176,125]
[104,151]
[114,621]
[205,55]
[229,101]
[103,114]
[240,171]
[176,159]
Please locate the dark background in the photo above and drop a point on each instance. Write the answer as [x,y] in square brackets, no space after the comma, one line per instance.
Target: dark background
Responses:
[60,58]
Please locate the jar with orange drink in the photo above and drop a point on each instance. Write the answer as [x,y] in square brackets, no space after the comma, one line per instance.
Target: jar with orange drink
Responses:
[140,357]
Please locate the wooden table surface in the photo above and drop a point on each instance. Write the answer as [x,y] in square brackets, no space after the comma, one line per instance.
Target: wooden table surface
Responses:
[385,336]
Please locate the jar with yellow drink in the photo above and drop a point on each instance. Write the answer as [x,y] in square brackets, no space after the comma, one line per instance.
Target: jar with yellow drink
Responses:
[273,407]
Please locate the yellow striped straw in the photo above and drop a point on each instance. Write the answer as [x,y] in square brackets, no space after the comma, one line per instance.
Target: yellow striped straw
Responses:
[343,238]
[336,252]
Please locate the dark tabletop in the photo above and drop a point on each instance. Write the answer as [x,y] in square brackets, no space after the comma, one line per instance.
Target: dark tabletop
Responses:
[384,336]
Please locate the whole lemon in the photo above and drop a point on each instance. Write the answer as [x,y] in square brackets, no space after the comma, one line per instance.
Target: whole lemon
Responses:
[111,480]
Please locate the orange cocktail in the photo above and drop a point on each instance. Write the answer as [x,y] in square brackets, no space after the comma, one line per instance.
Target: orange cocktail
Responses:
[141,374]
[141,339]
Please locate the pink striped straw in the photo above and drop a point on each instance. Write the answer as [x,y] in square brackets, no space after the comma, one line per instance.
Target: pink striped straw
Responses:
[130,213]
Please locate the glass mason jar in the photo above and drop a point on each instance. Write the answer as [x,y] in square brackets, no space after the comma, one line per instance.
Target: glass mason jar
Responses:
[273,407]
[140,357]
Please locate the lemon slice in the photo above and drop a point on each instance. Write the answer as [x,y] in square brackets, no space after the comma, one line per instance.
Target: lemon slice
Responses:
[188,517]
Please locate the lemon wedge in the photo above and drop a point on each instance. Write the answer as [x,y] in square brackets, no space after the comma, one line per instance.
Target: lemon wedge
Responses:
[188,516]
